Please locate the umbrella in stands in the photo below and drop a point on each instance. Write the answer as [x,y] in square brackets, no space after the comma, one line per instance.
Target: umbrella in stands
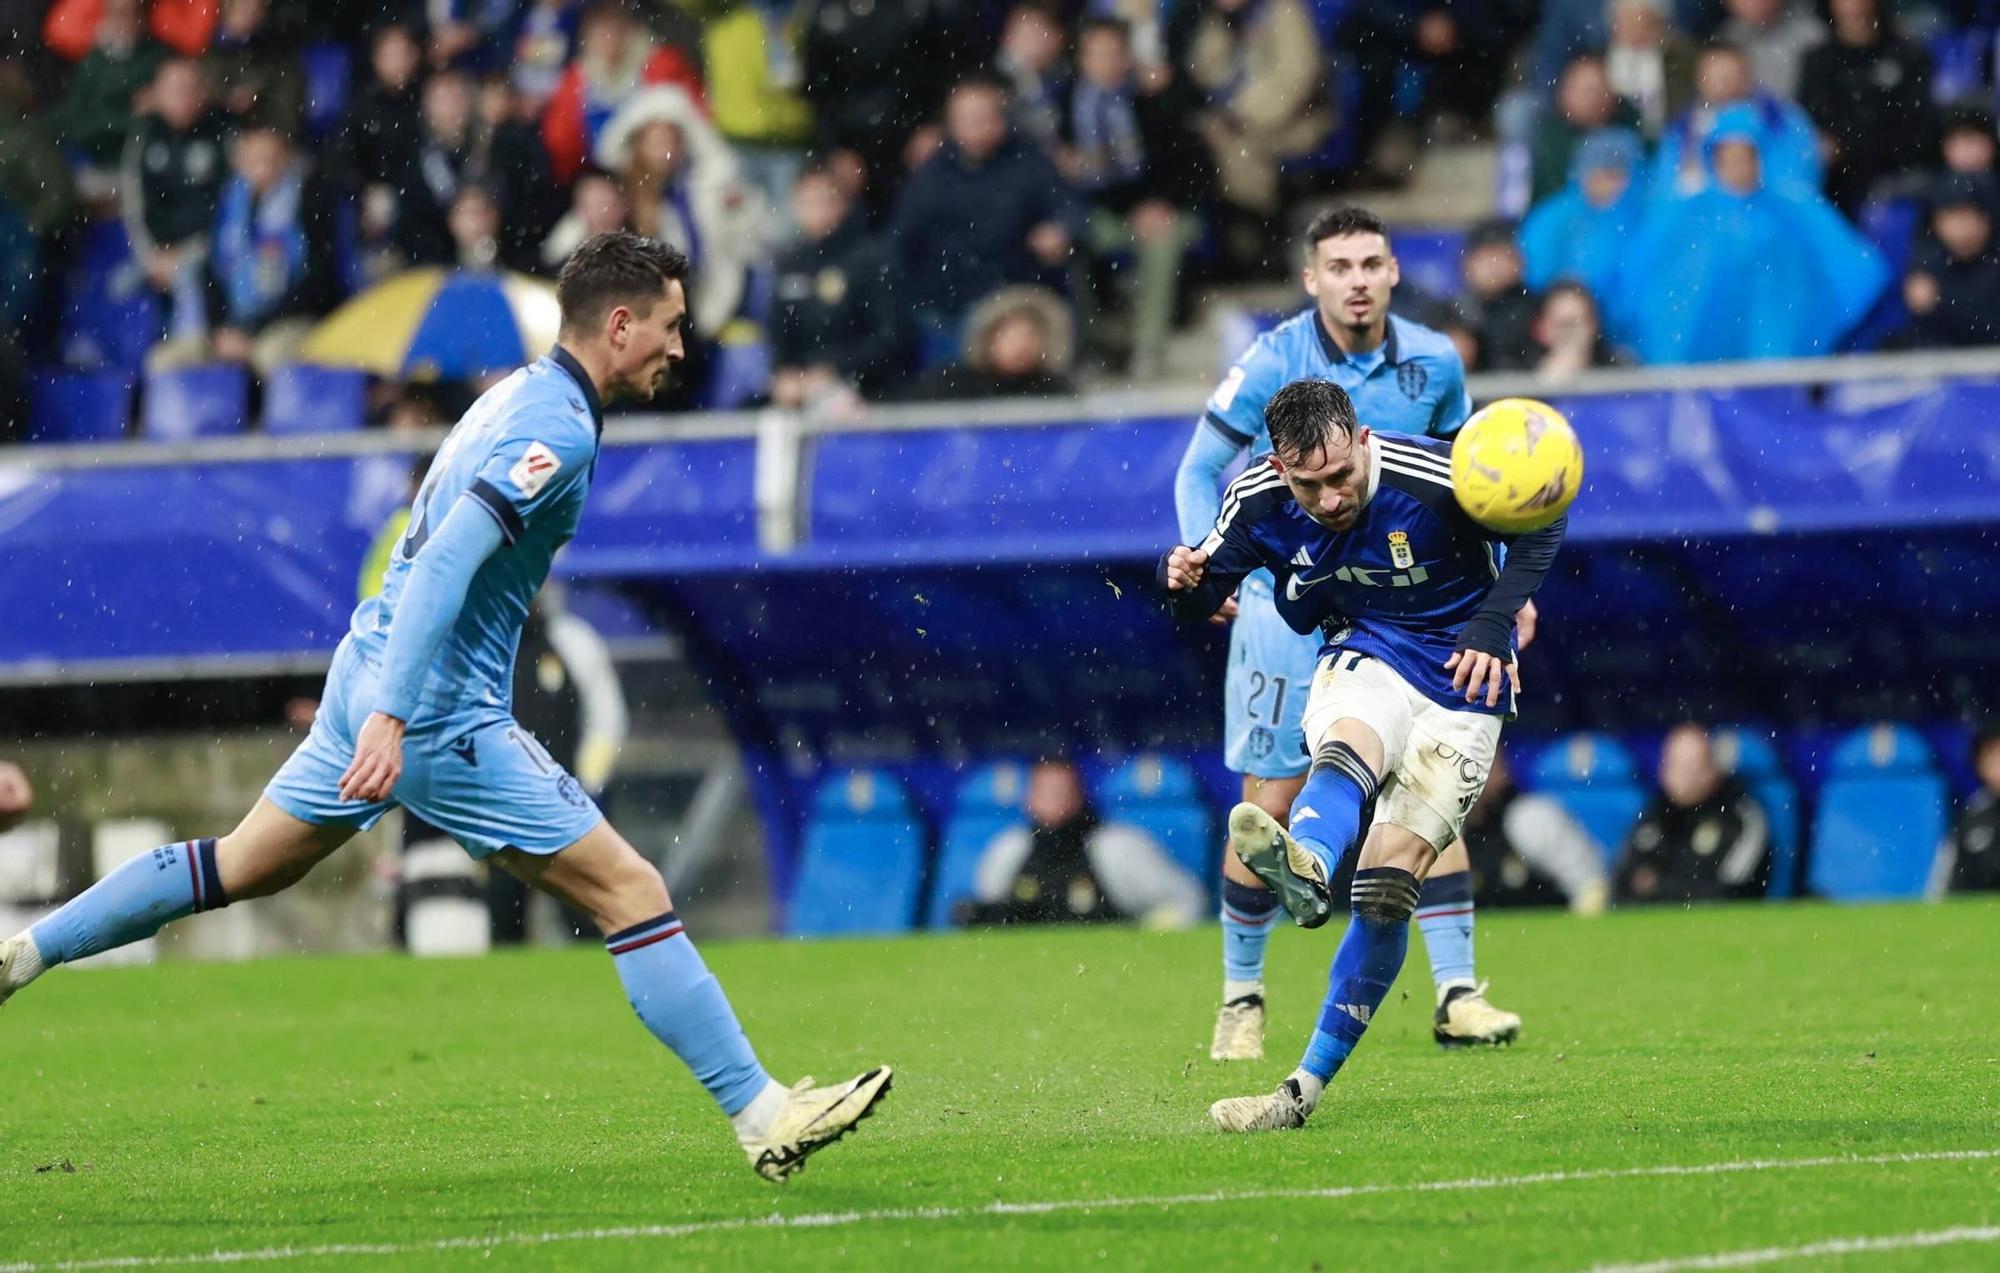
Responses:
[432,323]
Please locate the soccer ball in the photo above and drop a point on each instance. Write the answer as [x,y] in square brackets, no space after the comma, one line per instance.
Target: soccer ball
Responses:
[1516,466]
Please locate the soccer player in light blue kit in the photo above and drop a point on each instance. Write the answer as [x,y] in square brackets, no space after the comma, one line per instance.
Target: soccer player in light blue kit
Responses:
[1401,376]
[417,712]
[1416,603]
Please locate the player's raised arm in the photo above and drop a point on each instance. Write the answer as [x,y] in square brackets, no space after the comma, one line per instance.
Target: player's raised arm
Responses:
[1486,647]
[1199,580]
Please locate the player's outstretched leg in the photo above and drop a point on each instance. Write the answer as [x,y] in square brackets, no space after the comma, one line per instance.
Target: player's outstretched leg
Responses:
[1299,864]
[1250,912]
[683,1005]
[1364,967]
[268,851]
[1445,918]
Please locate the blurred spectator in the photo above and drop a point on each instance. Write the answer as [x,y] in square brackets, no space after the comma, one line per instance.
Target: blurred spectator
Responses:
[467,34]
[1147,178]
[254,70]
[1569,334]
[1497,303]
[1584,104]
[1019,343]
[1030,62]
[1967,140]
[1649,63]
[1953,285]
[509,160]
[681,186]
[544,39]
[1260,65]
[172,175]
[597,206]
[1745,269]
[1870,93]
[987,210]
[37,198]
[474,225]
[96,110]
[835,326]
[1071,866]
[1777,35]
[1786,137]
[72,27]
[1969,859]
[1527,850]
[1703,838]
[17,795]
[464,143]
[615,59]
[756,83]
[1451,54]
[384,129]
[875,72]
[271,263]
[1585,230]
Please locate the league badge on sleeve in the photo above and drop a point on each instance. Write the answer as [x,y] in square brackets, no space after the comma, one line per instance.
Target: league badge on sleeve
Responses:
[534,469]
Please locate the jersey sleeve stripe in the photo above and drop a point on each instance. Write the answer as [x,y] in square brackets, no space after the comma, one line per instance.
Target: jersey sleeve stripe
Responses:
[1228,431]
[1414,454]
[1251,482]
[490,499]
[1395,465]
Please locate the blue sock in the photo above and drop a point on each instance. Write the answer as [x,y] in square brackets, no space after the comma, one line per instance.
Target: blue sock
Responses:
[133,902]
[1370,955]
[1444,916]
[682,1003]
[1326,818]
[1248,916]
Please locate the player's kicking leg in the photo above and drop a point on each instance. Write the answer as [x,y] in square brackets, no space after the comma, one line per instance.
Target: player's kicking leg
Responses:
[681,1002]
[269,851]
[1250,911]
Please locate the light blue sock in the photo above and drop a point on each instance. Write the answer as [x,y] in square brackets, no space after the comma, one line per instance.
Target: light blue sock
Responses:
[1326,817]
[1248,916]
[133,902]
[682,1003]
[1444,916]
[1370,955]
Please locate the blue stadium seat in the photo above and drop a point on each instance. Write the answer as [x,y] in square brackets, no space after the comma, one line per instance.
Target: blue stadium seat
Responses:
[110,314]
[1881,815]
[328,75]
[301,398]
[195,402]
[1159,795]
[1750,755]
[79,406]
[988,802]
[1592,776]
[863,860]
[740,373]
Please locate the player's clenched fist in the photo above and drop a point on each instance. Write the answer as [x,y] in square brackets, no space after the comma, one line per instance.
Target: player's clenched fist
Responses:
[1185,567]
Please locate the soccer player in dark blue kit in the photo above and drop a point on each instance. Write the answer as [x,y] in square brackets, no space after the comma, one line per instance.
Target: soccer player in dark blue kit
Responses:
[1416,605]
[417,711]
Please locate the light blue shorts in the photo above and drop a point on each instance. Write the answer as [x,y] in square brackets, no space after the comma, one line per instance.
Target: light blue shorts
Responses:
[1264,694]
[475,775]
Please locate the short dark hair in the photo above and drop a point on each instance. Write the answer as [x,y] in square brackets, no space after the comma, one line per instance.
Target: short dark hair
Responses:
[1303,416]
[1336,223]
[616,268]
[981,81]
[1109,25]
[1729,47]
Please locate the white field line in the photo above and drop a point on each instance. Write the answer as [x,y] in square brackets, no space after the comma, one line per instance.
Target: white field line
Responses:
[1810,1251]
[844,1219]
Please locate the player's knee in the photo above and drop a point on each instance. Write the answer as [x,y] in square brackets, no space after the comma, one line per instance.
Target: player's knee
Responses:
[1388,894]
[1273,795]
[636,893]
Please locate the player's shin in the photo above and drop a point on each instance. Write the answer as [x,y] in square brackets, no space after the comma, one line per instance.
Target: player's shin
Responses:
[682,1003]
[1326,817]
[1444,916]
[1249,914]
[1370,955]
[132,903]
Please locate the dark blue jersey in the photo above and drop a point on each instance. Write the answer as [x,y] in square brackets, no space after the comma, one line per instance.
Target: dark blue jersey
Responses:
[1412,581]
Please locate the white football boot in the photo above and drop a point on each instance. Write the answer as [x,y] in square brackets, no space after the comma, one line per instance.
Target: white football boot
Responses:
[1466,1020]
[12,951]
[1296,875]
[1283,1110]
[813,1118]
[1239,1030]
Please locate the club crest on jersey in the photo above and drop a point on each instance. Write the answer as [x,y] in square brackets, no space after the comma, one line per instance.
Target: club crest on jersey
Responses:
[1399,550]
[534,469]
[1411,379]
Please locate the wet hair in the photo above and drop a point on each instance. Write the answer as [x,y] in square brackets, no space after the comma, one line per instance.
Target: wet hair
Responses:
[1336,223]
[615,269]
[1303,417]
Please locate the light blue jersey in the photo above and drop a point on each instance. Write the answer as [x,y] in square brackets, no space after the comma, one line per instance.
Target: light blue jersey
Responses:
[523,456]
[1412,383]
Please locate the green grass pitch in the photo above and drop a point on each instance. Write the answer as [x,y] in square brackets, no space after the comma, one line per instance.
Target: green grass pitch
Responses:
[510,1112]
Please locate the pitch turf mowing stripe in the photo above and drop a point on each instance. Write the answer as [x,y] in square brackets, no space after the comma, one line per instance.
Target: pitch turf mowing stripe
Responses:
[843,1219]
[1811,1251]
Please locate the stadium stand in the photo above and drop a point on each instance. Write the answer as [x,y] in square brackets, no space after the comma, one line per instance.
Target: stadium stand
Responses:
[1593,776]
[1881,815]
[1751,756]
[300,398]
[987,802]
[194,402]
[79,406]
[862,865]
[1158,794]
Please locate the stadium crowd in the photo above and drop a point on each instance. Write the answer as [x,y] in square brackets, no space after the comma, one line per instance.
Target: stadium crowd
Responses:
[1036,188]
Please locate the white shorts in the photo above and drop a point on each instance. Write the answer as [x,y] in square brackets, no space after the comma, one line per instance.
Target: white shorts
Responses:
[1436,759]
